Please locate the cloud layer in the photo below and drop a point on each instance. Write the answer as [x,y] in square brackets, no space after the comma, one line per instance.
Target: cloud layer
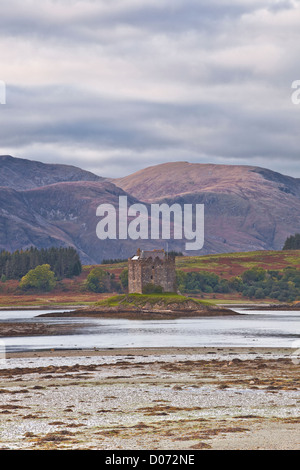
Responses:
[116,86]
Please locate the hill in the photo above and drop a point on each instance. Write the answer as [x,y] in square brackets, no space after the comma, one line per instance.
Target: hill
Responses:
[20,174]
[229,265]
[170,180]
[61,214]
[246,208]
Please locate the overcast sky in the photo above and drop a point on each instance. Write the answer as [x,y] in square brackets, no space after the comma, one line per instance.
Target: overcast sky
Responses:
[113,86]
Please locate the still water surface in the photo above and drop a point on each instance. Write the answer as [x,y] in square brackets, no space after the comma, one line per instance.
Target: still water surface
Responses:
[251,328]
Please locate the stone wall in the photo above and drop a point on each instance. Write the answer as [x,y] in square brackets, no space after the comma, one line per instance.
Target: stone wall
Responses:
[143,271]
[135,276]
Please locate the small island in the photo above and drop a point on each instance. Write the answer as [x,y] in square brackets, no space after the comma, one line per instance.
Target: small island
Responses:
[152,293]
[148,306]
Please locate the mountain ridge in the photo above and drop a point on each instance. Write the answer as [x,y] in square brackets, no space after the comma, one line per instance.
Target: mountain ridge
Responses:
[19,173]
[188,178]
[247,208]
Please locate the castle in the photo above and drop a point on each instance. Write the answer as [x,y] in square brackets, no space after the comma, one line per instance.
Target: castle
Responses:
[151,268]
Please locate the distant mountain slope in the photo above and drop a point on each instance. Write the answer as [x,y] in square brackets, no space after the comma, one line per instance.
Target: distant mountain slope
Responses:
[18,173]
[246,208]
[62,214]
[170,180]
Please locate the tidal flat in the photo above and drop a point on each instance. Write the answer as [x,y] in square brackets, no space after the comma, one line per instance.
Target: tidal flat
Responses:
[151,399]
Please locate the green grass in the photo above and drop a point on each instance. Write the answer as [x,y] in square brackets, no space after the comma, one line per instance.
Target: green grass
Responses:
[140,300]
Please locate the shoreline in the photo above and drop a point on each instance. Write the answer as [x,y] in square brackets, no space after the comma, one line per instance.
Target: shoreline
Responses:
[151,351]
[141,314]
[41,307]
[229,305]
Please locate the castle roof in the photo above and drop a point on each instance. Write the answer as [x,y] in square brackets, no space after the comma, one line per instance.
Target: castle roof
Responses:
[145,254]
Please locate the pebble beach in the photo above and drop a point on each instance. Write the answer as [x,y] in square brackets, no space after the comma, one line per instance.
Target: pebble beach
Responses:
[151,399]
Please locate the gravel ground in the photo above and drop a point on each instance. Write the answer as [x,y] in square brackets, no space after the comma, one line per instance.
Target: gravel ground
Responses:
[180,399]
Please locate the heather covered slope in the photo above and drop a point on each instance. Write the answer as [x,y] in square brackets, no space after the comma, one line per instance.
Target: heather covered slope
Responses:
[246,208]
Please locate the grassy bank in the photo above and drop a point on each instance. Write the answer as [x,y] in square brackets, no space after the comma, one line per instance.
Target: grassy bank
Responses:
[140,300]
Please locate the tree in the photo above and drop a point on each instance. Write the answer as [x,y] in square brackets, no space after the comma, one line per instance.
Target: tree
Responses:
[236,284]
[181,280]
[253,275]
[292,242]
[124,278]
[99,281]
[259,293]
[65,262]
[41,278]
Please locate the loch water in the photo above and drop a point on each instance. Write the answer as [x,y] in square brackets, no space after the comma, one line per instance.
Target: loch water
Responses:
[252,328]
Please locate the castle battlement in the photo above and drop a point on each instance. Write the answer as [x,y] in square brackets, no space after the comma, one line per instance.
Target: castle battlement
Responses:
[151,267]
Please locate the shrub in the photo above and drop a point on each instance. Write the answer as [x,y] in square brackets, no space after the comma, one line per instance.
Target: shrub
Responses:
[254,275]
[259,293]
[41,278]
[98,281]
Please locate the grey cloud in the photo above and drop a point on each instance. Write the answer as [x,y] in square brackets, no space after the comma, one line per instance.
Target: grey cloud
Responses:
[220,106]
[86,23]
[63,117]
[281,5]
[180,16]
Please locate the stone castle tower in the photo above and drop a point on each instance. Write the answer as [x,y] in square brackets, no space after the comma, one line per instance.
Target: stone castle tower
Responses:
[151,267]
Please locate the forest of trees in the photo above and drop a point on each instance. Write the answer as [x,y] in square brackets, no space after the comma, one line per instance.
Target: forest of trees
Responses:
[41,268]
[64,262]
[292,242]
[100,281]
[255,283]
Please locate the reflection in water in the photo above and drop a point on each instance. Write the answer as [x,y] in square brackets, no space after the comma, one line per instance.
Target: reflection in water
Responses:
[259,329]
